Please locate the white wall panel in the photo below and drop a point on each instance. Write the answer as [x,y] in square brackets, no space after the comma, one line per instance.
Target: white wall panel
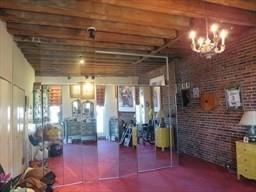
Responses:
[5,126]
[5,53]
[27,77]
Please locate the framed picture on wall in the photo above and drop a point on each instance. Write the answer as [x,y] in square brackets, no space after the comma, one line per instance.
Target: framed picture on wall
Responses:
[185,94]
[233,97]
[126,99]
[157,82]
[156,98]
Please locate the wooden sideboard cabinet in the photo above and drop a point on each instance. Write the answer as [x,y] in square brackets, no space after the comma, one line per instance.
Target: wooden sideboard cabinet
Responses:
[246,159]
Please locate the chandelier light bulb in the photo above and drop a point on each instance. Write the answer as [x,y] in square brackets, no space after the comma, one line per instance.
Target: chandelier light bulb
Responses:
[192,35]
[214,28]
[207,41]
[200,41]
[81,61]
[223,35]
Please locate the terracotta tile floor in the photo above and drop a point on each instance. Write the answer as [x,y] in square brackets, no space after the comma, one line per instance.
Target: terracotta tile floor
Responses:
[192,175]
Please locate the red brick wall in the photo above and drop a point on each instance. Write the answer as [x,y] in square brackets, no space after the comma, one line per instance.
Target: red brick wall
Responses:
[212,135]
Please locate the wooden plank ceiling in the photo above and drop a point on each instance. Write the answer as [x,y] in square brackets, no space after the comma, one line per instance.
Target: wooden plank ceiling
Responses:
[53,37]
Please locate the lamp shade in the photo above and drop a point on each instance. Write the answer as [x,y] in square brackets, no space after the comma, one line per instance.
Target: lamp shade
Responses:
[160,114]
[248,118]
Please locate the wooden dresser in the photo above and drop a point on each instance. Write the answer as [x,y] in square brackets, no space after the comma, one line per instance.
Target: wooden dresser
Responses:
[246,160]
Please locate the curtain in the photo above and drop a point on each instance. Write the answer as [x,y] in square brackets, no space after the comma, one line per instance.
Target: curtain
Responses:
[100,95]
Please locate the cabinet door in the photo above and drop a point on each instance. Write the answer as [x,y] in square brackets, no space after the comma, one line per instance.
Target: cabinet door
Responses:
[18,129]
[5,126]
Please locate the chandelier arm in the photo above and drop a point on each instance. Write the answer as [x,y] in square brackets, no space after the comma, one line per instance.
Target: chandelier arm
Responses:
[194,48]
[220,49]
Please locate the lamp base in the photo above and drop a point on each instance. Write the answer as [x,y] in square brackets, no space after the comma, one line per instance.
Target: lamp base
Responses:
[252,139]
[252,134]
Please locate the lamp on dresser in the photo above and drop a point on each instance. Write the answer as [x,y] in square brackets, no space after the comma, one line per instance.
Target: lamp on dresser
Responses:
[249,119]
[246,152]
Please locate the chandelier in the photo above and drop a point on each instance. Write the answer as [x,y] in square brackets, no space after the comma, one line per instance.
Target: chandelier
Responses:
[211,44]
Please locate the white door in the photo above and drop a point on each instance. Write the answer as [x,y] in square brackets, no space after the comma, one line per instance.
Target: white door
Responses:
[18,130]
[5,126]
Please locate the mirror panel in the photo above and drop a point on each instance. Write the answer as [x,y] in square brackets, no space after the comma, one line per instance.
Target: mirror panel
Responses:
[162,128]
[108,145]
[128,129]
[146,136]
[89,142]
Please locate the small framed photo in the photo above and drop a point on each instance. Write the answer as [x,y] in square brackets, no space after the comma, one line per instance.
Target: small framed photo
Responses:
[233,97]
[157,98]
[183,86]
[187,85]
[196,93]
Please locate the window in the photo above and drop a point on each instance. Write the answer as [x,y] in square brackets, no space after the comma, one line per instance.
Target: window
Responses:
[54,114]
[100,111]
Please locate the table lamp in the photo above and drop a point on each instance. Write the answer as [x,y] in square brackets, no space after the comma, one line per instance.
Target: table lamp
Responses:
[249,119]
[161,115]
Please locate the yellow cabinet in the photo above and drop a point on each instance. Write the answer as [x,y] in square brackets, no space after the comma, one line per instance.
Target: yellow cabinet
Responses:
[162,138]
[246,159]
[134,136]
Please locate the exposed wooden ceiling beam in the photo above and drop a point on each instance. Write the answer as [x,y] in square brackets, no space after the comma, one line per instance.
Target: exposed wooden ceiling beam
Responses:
[82,23]
[25,39]
[99,11]
[242,4]
[67,33]
[44,59]
[191,8]
[63,55]
[66,48]
[71,71]
[88,73]
[105,66]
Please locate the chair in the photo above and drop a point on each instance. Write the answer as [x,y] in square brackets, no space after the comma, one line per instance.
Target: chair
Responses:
[39,152]
[148,133]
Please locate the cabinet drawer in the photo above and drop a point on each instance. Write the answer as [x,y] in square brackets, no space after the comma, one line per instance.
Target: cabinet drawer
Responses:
[244,160]
[246,172]
[242,149]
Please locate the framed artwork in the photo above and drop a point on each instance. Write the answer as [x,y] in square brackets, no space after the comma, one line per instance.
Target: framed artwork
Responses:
[156,99]
[196,92]
[233,97]
[185,94]
[157,81]
[126,99]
